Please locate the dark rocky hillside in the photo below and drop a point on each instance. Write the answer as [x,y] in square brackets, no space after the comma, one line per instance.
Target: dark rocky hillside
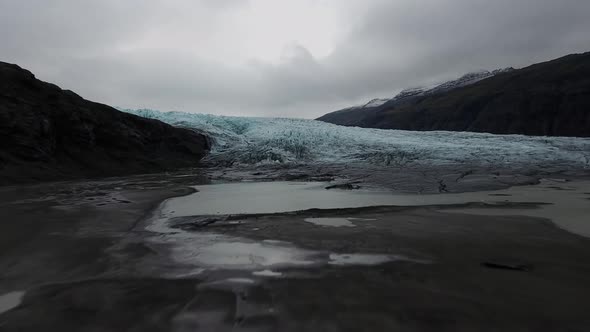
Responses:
[47,133]
[547,99]
[353,116]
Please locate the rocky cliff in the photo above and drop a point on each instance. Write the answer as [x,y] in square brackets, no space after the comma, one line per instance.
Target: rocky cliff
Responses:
[546,99]
[47,133]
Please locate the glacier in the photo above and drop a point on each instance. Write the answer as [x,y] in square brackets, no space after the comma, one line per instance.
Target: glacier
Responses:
[257,140]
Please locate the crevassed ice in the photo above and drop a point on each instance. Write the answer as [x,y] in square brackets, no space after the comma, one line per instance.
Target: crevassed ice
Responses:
[251,140]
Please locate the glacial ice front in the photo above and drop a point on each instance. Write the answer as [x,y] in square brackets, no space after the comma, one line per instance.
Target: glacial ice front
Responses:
[250,140]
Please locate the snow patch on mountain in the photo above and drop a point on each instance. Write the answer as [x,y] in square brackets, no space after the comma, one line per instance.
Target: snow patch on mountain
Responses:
[372,103]
[467,79]
[375,102]
[250,140]
[411,92]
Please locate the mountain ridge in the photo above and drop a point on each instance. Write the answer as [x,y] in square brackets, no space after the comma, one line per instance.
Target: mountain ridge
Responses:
[552,95]
[54,134]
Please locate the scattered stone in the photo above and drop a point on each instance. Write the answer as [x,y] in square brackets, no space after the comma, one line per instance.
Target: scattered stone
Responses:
[322,179]
[292,177]
[442,187]
[345,186]
[198,223]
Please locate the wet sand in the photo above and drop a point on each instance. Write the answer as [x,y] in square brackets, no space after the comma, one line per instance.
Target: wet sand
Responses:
[81,250]
[455,292]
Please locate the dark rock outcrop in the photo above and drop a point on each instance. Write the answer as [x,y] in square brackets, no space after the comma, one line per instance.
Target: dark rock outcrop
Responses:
[546,99]
[47,133]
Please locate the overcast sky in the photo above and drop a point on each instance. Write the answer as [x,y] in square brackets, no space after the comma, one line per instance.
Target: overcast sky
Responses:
[290,58]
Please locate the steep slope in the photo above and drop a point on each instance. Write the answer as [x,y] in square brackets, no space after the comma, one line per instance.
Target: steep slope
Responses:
[48,133]
[547,99]
[356,115]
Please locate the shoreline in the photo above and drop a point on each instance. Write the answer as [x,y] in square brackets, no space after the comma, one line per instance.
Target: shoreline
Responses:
[562,202]
[89,245]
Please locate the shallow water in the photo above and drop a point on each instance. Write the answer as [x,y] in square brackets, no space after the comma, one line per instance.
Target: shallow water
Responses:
[359,259]
[568,204]
[203,251]
[268,197]
[10,300]
[267,273]
[213,251]
[331,222]
[210,251]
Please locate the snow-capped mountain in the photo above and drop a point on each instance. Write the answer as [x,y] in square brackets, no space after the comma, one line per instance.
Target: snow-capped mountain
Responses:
[376,102]
[546,99]
[371,104]
[467,79]
[247,140]
[411,92]
[464,80]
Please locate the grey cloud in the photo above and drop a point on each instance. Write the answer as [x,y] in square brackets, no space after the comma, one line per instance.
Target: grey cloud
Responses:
[443,38]
[390,45]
